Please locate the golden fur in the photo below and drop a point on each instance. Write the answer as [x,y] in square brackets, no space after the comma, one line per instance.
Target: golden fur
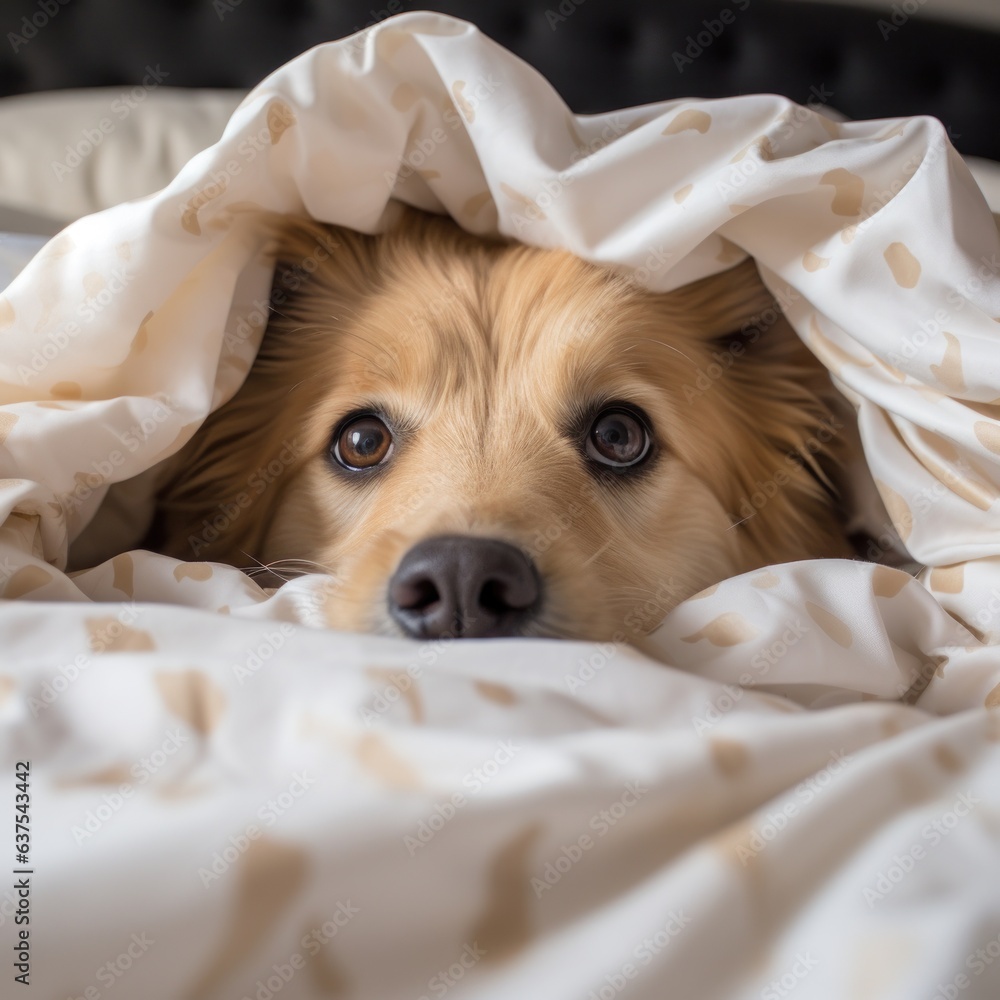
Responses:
[490,357]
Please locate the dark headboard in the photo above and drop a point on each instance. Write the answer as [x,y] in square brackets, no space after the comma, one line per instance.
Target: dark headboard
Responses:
[600,54]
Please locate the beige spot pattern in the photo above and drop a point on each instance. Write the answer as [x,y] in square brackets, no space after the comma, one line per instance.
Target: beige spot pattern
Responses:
[114,774]
[25,580]
[848,191]
[193,571]
[833,626]
[498,693]
[270,876]
[504,927]
[462,102]
[7,314]
[729,756]
[382,762]
[729,629]
[523,200]
[403,683]
[899,510]
[888,582]
[765,580]
[681,193]
[123,573]
[813,262]
[889,370]
[7,421]
[109,635]
[327,975]
[7,686]
[948,579]
[992,699]
[707,592]
[947,759]
[949,372]
[736,844]
[189,217]
[280,118]
[763,146]
[691,119]
[58,247]
[94,283]
[904,266]
[975,632]
[988,435]
[890,726]
[404,97]
[194,697]
[141,339]
[980,493]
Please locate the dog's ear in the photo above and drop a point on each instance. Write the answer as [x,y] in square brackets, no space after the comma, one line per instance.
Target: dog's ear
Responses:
[778,419]
[727,303]
[315,263]
[217,496]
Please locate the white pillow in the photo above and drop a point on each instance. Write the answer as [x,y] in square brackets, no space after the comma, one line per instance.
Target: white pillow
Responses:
[69,153]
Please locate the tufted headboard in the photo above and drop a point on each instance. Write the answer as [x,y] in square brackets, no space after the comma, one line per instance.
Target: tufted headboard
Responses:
[600,54]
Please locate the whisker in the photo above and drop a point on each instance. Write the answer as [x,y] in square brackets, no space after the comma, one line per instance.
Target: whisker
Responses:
[669,347]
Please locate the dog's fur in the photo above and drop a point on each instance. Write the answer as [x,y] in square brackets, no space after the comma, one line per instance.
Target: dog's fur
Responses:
[490,359]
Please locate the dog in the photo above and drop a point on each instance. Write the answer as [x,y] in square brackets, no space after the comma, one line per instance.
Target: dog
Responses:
[479,438]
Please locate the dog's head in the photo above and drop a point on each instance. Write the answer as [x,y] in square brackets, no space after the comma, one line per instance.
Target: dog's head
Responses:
[482,438]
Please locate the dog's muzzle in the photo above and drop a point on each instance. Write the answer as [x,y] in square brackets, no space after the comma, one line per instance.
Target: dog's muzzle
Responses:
[460,586]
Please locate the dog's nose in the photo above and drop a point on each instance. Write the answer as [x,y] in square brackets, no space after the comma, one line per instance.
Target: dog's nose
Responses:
[463,587]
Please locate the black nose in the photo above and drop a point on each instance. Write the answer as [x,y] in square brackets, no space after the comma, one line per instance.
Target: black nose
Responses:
[463,587]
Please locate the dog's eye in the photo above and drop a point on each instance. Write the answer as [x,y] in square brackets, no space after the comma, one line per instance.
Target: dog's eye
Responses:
[618,439]
[362,443]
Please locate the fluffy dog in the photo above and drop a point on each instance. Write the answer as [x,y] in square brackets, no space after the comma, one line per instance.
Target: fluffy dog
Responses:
[481,438]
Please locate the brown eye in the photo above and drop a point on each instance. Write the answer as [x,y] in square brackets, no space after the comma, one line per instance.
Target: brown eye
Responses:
[618,439]
[362,443]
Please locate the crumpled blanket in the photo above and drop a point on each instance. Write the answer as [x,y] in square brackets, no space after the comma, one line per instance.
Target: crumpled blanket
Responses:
[793,789]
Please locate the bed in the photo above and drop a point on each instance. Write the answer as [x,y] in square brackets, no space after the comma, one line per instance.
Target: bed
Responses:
[788,787]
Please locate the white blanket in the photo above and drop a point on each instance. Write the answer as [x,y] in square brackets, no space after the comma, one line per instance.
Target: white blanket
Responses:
[230,800]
